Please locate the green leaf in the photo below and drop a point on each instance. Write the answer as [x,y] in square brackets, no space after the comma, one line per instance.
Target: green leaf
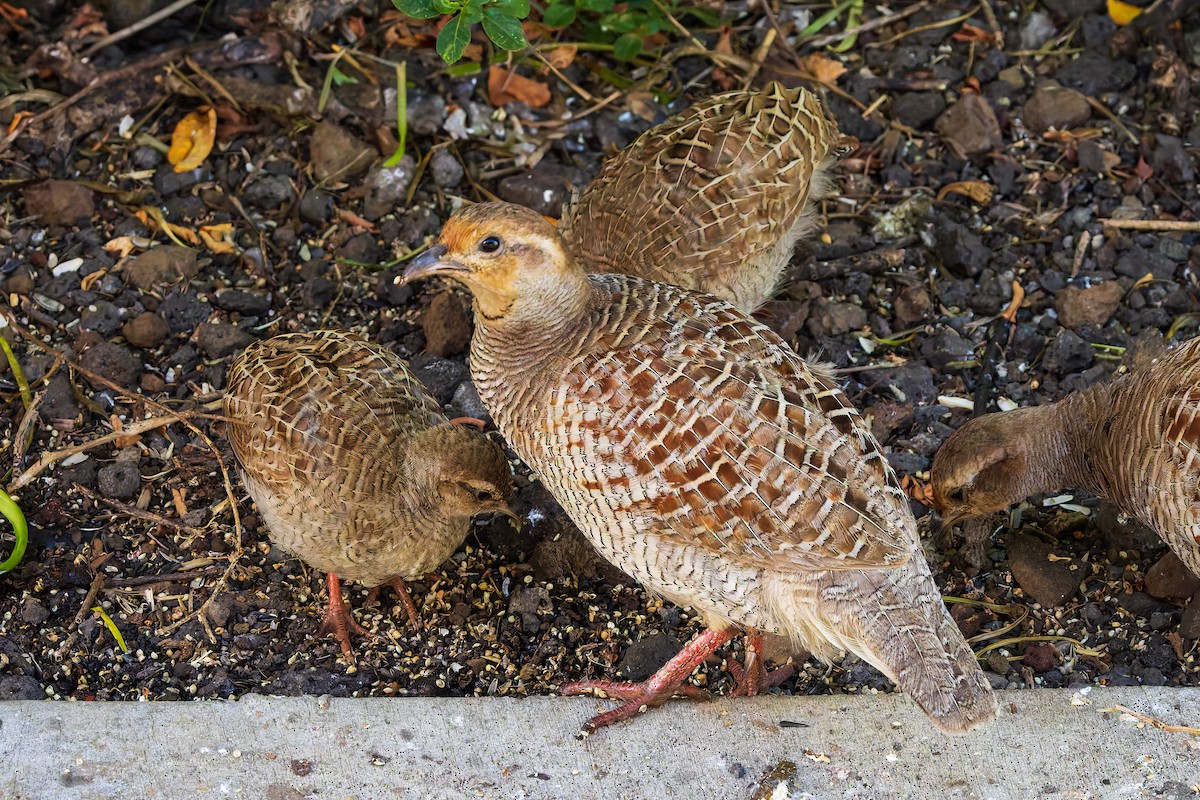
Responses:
[454,38]
[504,30]
[421,9]
[464,69]
[473,11]
[558,15]
[627,46]
[446,6]
[706,15]
[518,9]
[596,6]
[16,518]
[341,79]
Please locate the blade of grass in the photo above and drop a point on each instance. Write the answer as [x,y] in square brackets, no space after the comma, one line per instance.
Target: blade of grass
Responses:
[829,16]
[112,628]
[851,24]
[18,373]
[401,114]
[16,518]
[327,86]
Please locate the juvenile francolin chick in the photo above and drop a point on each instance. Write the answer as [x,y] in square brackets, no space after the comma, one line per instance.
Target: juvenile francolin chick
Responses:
[352,464]
[1134,440]
[715,198]
[704,458]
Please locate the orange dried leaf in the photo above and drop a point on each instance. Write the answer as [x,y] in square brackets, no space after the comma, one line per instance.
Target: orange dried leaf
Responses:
[16,121]
[979,191]
[193,139]
[562,57]
[121,246]
[1122,13]
[356,220]
[1145,280]
[507,87]
[972,33]
[1143,170]
[1014,305]
[823,69]
[218,238]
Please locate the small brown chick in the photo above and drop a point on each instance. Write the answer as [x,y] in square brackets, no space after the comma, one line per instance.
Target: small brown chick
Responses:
[699,454]
[714,199]
[1134,440]
[353,465]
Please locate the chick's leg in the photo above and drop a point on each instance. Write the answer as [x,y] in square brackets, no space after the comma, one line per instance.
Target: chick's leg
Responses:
[338,620]
[752,677]
[660,687]
[401,589]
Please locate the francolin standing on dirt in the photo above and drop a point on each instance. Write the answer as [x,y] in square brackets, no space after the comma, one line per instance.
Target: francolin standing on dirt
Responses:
[713,199]
[704,458]
[353,465]
[1134,440]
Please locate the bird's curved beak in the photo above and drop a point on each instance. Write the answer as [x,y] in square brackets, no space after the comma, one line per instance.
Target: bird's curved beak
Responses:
[432,262]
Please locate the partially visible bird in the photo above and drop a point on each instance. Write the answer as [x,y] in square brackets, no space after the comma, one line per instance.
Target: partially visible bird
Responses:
[352,464]
[1134,440]
[699,454]
[715,198]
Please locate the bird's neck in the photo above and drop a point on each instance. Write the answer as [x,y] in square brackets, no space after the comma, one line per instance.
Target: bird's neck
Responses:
[1060,443]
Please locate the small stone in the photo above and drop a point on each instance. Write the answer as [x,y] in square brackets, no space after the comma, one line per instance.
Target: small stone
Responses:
[1094,305]
[115,362]
[834,319]
[563,554]
[102,317]
[183,311]
[544,189]
[425,113]
[1169,579]
[970,126]
[220,339]
[1053,106]
[1189,623]
[912,305]
[147,330]
[528,602]
[21,687]
[33,612]
[152,384]
[1068,353]
[387,188]
[468,403]
[1037,30]
[998,663]
[58,402]
[316,206]
[647,656]
[269,192]
[241,302]
[162,266]
[441,376]
[119,480]
[336,154]
[1093,73]
[445,169]
[1048,582]
[447,324]
[60,202]
[1093,157]
[1041,657]
[918,109]
[1141,605]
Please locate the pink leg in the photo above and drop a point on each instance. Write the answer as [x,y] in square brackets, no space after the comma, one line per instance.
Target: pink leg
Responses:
[478,423]
[401,589]
[659,688]
[338,620]
[753,678]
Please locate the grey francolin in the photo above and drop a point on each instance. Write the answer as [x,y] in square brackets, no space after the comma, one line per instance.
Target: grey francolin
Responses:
[1134,440]
[713,199]
[352,464]
[704,458]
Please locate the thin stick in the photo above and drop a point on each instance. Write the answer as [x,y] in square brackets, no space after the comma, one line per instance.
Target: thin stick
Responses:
[167,577]
[138,27]
[994,23]
[1153,224]
[90,600]
[1153,722]
[137,513]
[1104,110]
[922,28]
[25,431]
[881,21]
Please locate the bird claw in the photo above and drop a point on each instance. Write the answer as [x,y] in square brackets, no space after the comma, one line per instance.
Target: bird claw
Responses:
[636,698]
[478,423]
[342,626]
[755,679]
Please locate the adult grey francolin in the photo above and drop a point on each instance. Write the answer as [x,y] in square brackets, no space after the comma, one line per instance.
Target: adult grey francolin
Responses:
[1134,440]
[708,461]
[353,465]
[715,198]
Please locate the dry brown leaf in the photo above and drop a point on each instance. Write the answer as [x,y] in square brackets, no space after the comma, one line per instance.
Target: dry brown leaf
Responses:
[193,139]
[507,87]
[562,57]
[218,238]
[1014,305]
[151,217]
[1143,170]
[978,191]
[642,104]
[972,33]
[1145,280]
[121,246]
[823,69]
[356,220]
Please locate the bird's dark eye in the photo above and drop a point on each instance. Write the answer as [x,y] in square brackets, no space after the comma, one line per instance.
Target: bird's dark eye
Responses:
[957,496]
[483,495]
[490,244]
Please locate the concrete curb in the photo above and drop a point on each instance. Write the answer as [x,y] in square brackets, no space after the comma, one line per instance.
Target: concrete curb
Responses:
[1047,744]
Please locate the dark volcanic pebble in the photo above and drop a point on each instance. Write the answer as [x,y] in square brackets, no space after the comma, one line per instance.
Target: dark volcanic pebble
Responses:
[115,362]
[147,330]
[119,480]
[645,656]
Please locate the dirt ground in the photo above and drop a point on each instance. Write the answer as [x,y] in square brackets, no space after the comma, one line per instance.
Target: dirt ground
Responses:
[998,142]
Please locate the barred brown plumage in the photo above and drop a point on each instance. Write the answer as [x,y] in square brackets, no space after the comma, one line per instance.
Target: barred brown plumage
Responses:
[713,199]
[352,464]
[703,457]
[1134,440]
